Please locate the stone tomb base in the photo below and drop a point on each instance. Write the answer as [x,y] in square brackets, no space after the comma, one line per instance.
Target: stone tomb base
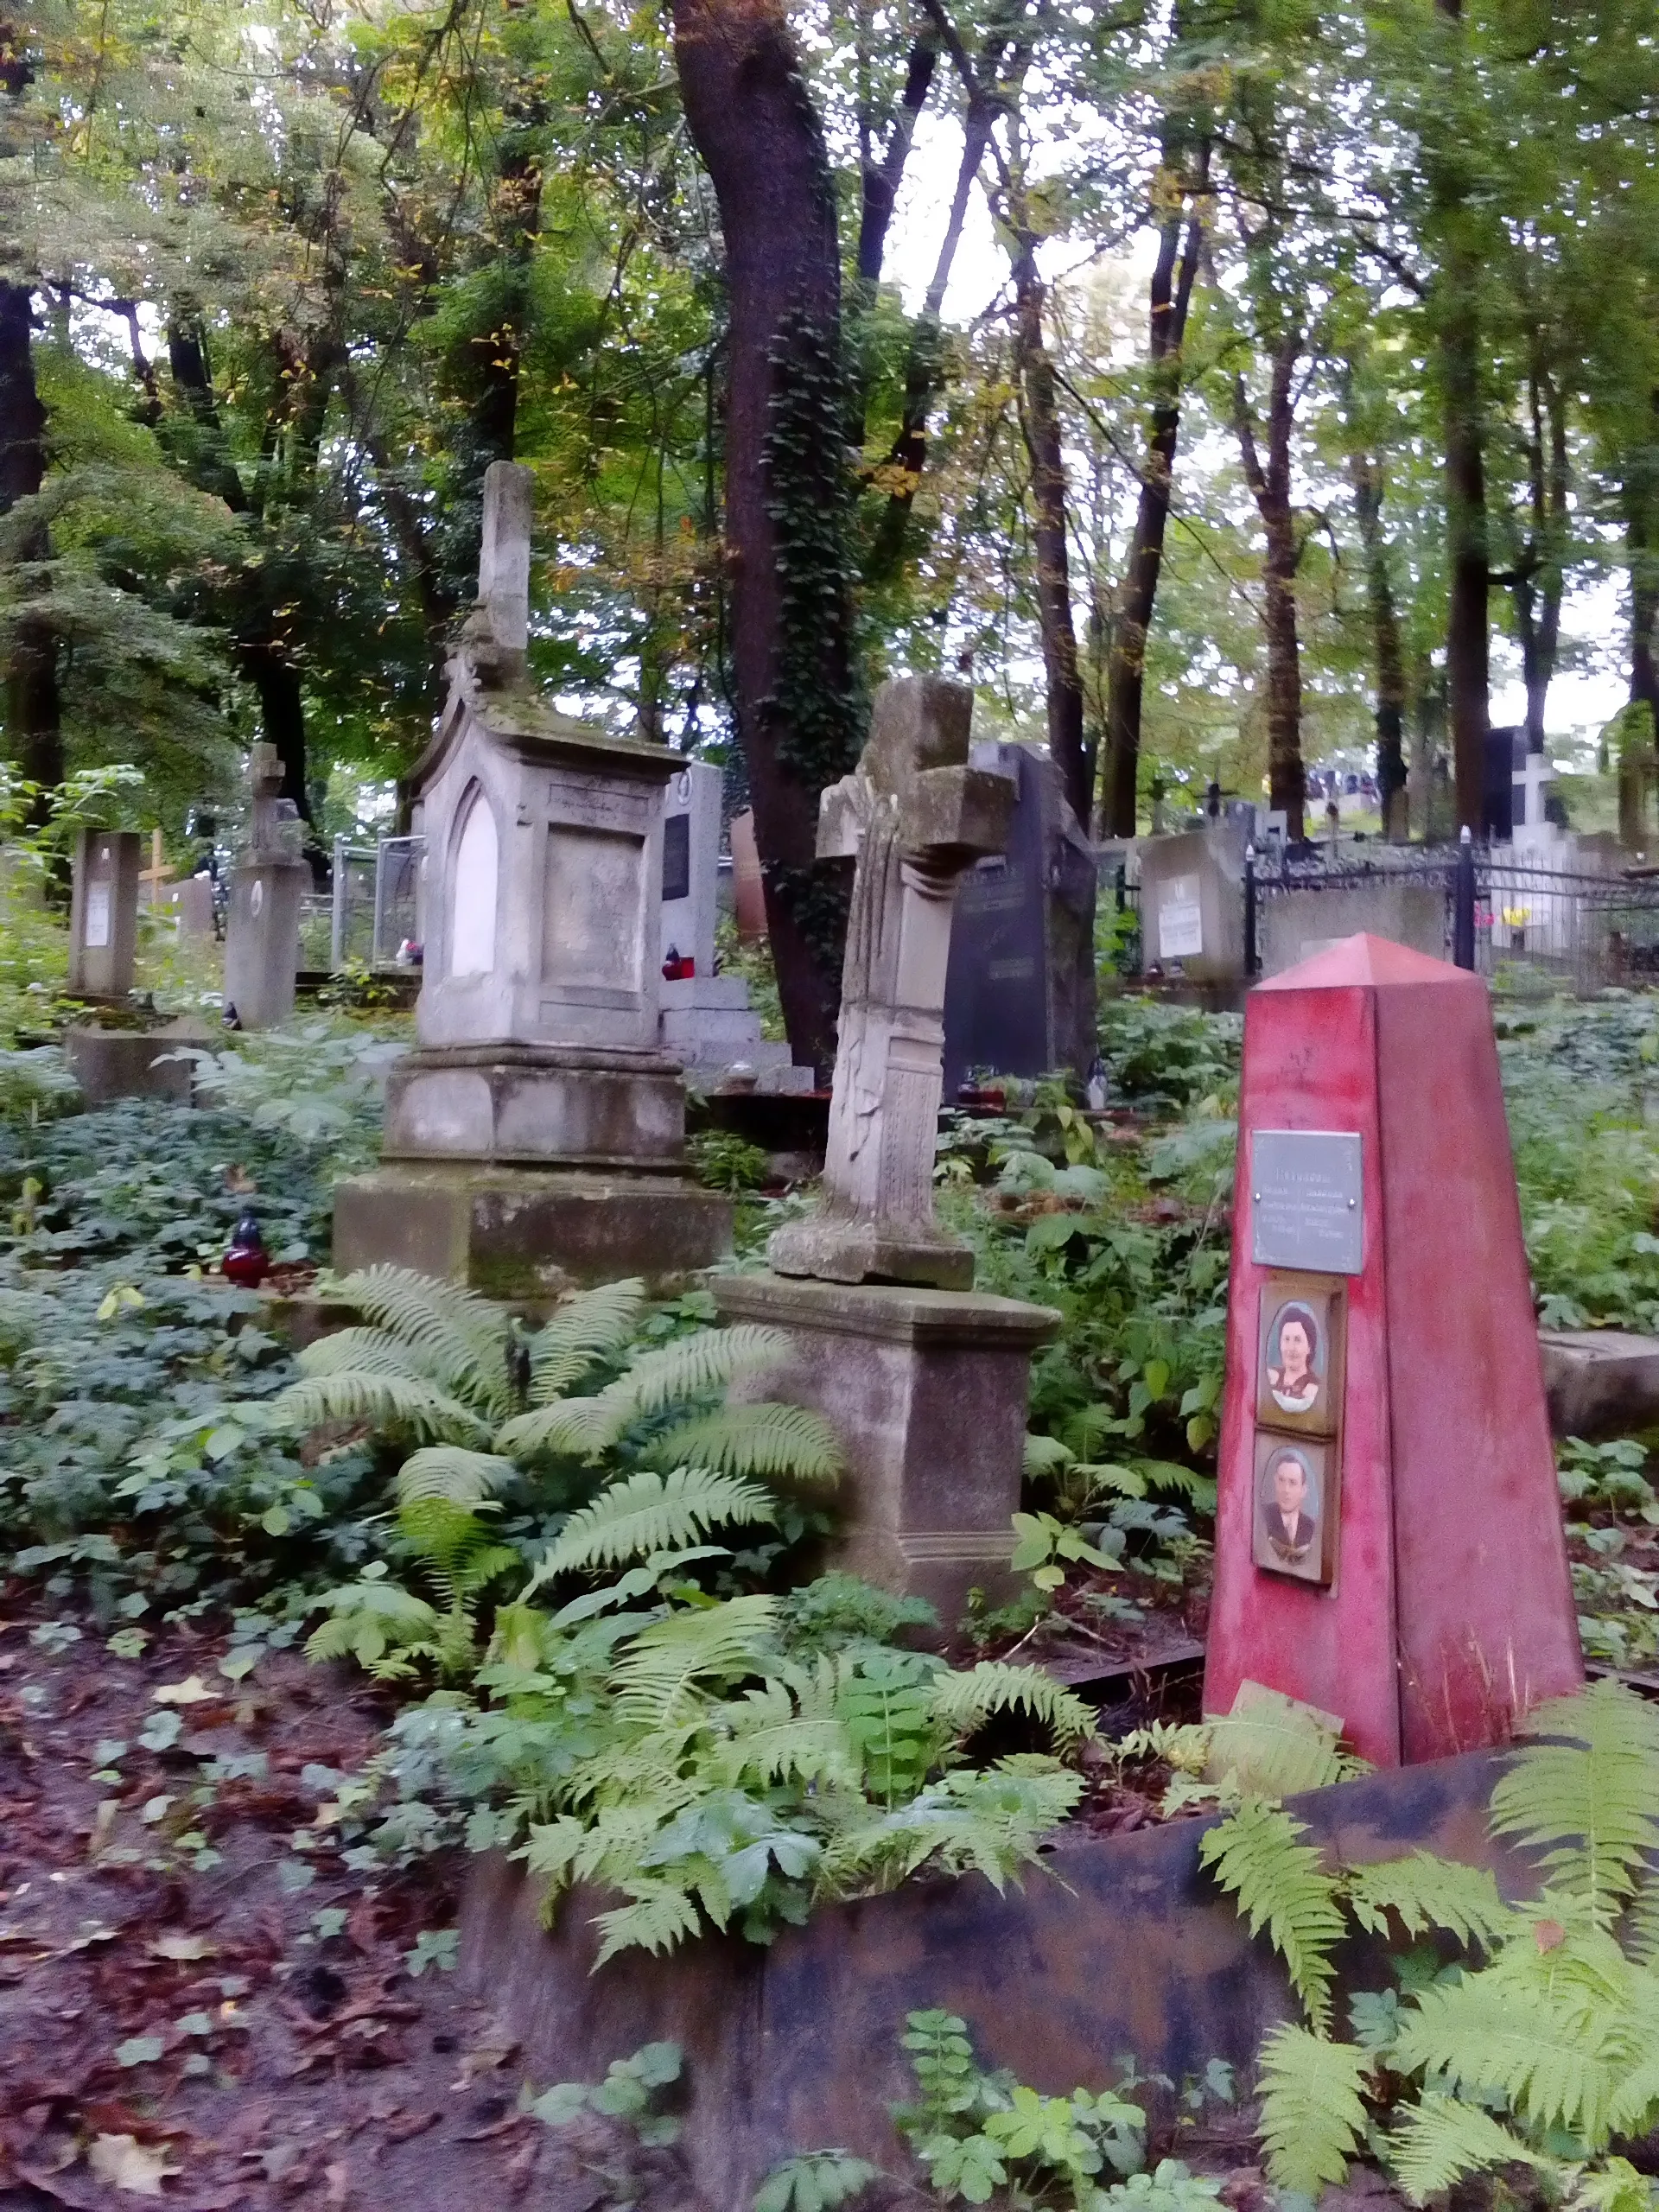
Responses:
[572,1106]
[133,1063]
[927,1391]
[516,1232]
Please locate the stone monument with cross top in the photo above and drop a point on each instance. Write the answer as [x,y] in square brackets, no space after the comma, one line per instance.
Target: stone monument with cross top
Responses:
[537,1136]
[269,880]
[924,1380]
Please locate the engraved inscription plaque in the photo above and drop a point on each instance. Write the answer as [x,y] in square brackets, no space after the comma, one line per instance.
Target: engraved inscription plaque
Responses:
[1307,1208]
[676,857]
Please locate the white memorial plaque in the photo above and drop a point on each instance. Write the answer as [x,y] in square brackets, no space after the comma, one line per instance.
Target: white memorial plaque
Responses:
[1180,919]
[1307,1200]
[98,917]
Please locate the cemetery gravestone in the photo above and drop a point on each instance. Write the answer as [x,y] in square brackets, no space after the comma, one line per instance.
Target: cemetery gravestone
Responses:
[1389,1542]
[537,1136]
[104,913]
[268,881]
[748,886]
[925,1381]
[1193,903]
[1019,996]
[706,1021]
[1293,925]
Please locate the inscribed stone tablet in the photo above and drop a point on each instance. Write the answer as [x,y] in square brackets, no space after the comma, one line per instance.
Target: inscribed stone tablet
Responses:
[1180,919]
[98,917]
[676,856]
[1305,1200]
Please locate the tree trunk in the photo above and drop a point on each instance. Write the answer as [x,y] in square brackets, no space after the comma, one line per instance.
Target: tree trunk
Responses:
[33,709]
[1171,294]
[1040,410]
[1270,485]
[1468,662]
[1366,478]
[1539,574]
[1644,598]
[754,125]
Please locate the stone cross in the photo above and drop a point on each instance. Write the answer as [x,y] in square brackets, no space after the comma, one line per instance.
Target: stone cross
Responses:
[1530,783]
[265,784]
[497,632]
[913,814]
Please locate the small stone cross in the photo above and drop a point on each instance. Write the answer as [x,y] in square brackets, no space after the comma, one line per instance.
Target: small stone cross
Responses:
[265,786]
[1530,783]
[913,815]
[496,631]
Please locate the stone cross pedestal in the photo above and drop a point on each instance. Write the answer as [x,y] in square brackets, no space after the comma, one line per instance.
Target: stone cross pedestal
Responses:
[537,1137]
[269,880]
[104,913]
[913,815]
[924,1381]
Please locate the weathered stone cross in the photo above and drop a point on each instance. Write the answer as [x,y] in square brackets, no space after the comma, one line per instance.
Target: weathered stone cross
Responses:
[913,815]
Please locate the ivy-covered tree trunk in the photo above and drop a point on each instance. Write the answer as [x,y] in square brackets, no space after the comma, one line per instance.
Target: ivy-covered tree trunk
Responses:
[34,718]
[34,722]
[787,487]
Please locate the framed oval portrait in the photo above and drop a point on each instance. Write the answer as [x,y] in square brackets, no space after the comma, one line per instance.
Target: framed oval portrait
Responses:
[1300,1343]
[1294,1515]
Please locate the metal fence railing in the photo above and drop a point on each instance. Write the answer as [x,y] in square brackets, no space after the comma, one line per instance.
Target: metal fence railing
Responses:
[375,906]
[1507,915]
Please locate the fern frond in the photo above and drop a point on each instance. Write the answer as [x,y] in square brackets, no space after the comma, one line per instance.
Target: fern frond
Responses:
[1635,2106]
[1424,1892]
[368,1620]
[963,1702]
[691,1366]
[1589,1805]
[991,1824]
[1437,2142]
[777,1735]
[1280,1883]
[388,1399]
[586,1327]
[1273,1747]
[581,1429]
[657,1916]
[649,1513]
[765,1438]
[367,1351]
[460,1335]
[1313,2109]
[657,1678]
[1045,1456]
[1538,2038]
[1641,1922]
[452,1472]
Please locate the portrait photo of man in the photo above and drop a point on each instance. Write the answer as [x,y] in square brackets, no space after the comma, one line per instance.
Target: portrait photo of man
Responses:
[1290,1490]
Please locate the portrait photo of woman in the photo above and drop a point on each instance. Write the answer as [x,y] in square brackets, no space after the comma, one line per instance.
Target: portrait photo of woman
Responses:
[1294,1345]
[1300,1362]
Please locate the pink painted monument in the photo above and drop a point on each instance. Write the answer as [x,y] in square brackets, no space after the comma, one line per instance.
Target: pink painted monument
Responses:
[1389,1539]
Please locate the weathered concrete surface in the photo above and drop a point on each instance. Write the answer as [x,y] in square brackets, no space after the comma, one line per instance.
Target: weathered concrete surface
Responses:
[1599,1381]
[927,1391]
[1293,925]
[1124,1945]
[104,913]
[1193,903]
[132,1063]
[517,1232]
[551,1105]
[262,938]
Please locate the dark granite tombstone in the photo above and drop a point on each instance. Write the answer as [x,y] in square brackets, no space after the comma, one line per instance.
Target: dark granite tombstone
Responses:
[1019,995]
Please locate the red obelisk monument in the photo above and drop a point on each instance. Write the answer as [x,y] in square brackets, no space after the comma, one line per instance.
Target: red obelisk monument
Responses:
[1389,1539]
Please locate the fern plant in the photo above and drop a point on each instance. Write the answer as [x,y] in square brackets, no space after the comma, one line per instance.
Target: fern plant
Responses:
[1540,2048]
[493,1413]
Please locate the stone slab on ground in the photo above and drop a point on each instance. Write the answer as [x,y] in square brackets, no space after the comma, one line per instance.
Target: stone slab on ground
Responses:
[794,2046]
[520,1232]
[111,1064]
[1599,1381]
[549,1105]
[927,1391]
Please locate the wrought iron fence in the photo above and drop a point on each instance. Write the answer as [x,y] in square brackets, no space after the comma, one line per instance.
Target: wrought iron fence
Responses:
[1513,916]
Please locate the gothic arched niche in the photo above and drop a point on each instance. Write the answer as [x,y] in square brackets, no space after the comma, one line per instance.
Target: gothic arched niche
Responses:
[473,899]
